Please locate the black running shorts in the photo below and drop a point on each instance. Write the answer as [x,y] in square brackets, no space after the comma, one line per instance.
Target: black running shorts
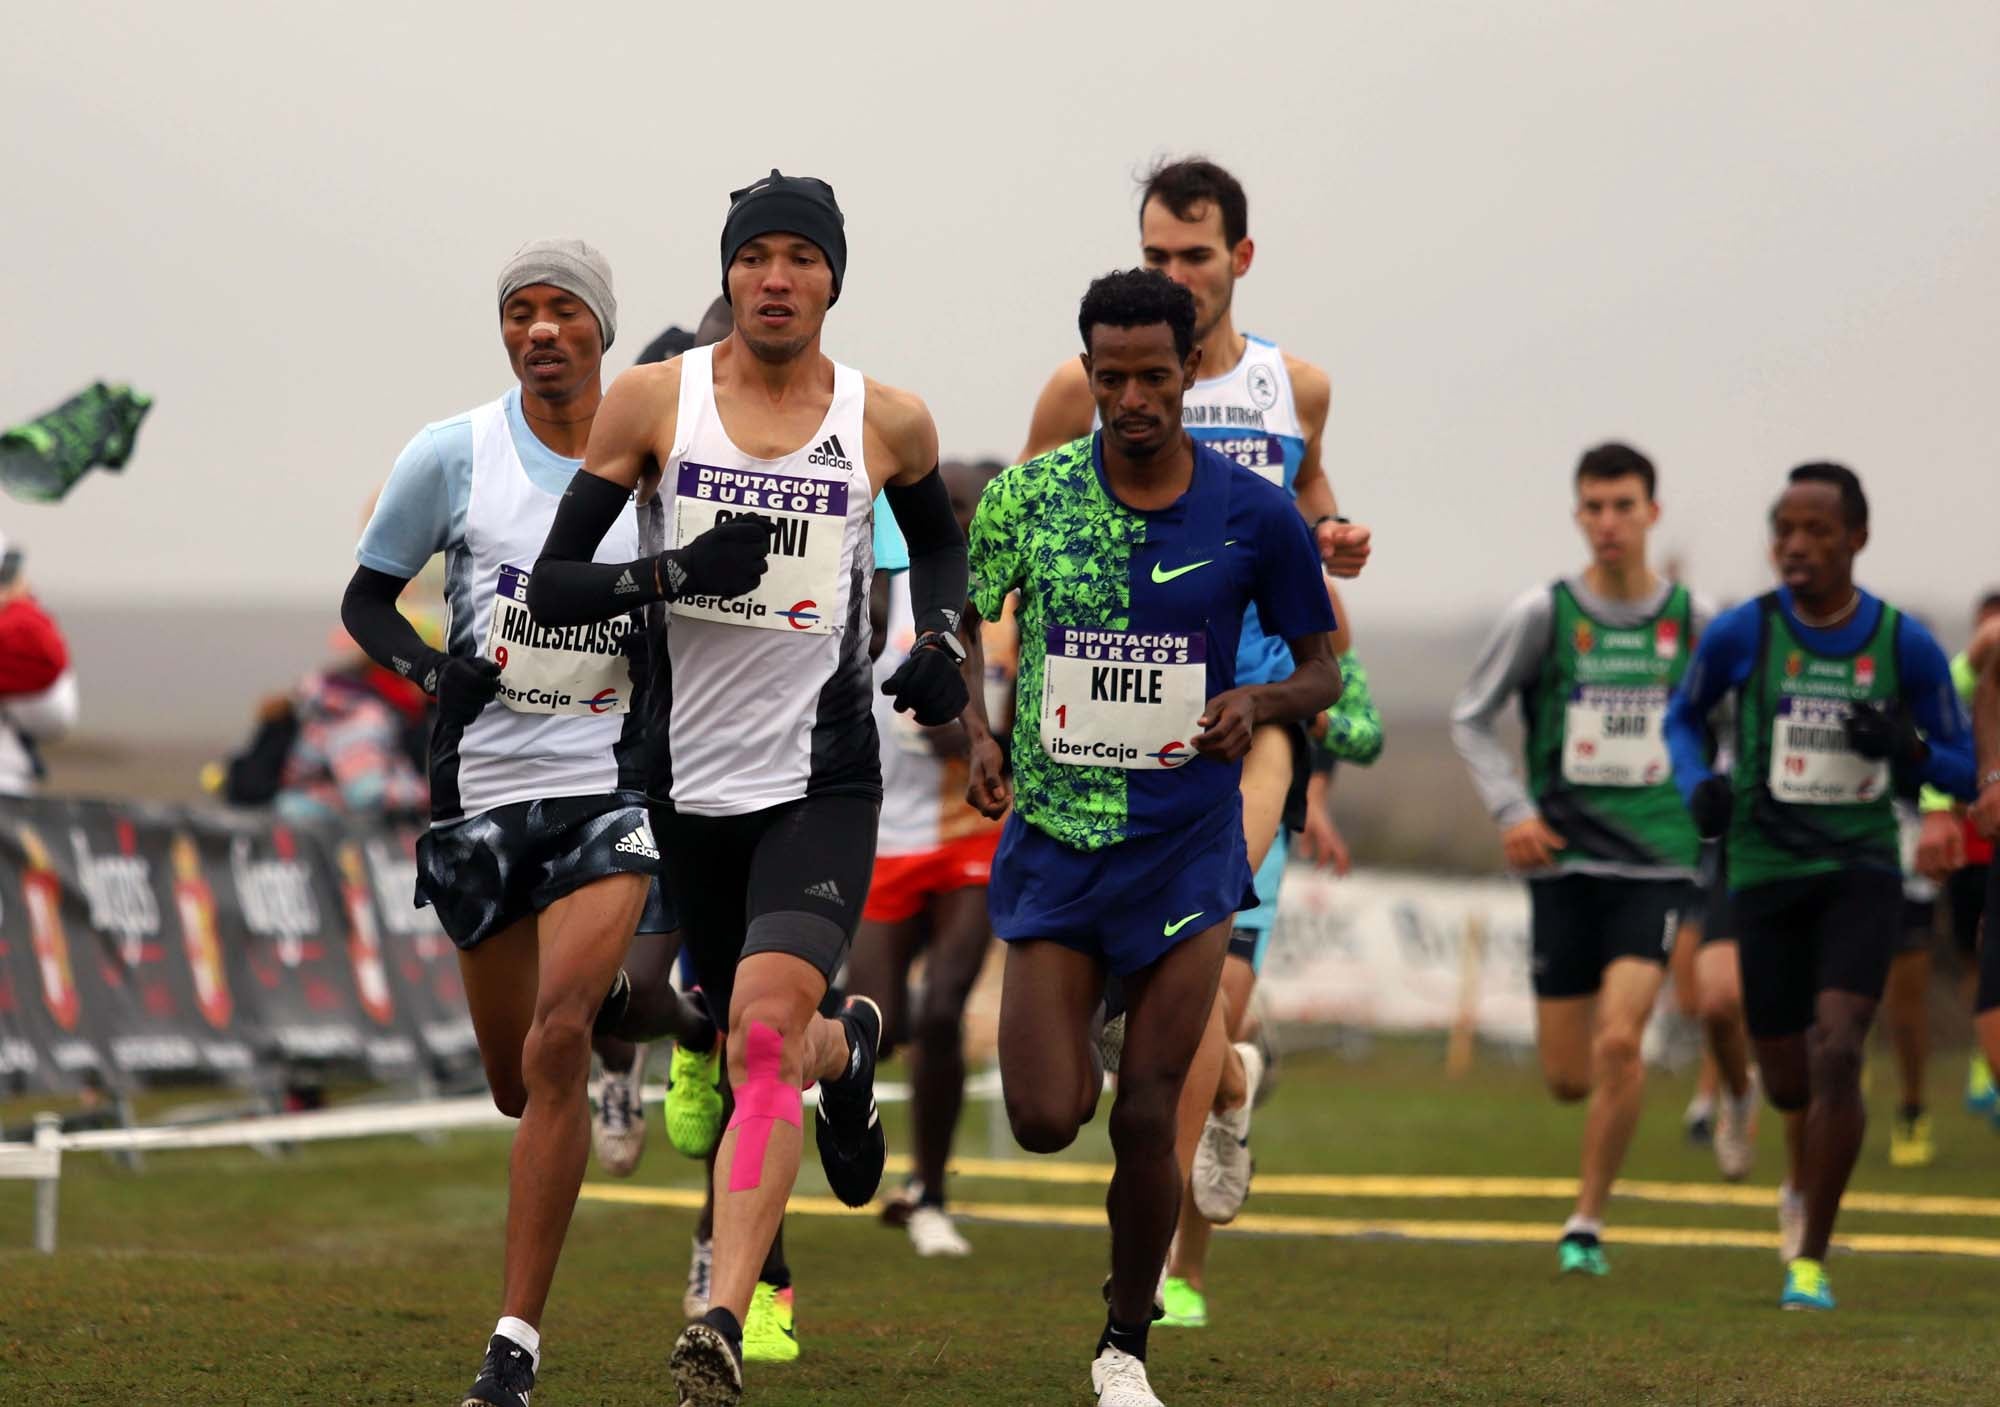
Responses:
[1965,896]
[1800,937]
[487,871]
[789,879]
[1919,927]
[1583,923]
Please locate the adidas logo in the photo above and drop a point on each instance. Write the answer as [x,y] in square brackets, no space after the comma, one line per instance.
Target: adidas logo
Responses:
[829,454]
[826,889]
[625,586]
[640,843]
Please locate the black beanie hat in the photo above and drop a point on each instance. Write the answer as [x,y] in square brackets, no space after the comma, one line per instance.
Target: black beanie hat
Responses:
[784,204]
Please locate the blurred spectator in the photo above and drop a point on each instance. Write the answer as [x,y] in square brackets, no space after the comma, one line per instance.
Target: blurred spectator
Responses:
[350,740]
[37,688]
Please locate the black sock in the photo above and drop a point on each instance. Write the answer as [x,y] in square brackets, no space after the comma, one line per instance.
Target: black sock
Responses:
[724,1323]
[1116,1335]
[702,1040]
[931,1197]
[779,1279]
[611,1011]
[1913,1111]
[855,1042]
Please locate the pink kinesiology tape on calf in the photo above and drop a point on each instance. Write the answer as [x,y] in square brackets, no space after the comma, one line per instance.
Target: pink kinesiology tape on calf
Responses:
[764,1098]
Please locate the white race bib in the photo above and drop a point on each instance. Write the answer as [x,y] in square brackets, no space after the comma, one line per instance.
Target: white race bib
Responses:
[802,582]
[1811,762]
[555,669]
[1122,698]
[1615,737]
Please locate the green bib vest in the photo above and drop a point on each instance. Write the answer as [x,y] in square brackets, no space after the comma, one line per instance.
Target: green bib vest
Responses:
[1806,802]
[1597,750]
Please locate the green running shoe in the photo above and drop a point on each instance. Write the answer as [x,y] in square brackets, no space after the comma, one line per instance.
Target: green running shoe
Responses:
[1187,1307]
[694,1100]
[1980,1095]
[769,1334]
[1806,1286]
[1581,1253]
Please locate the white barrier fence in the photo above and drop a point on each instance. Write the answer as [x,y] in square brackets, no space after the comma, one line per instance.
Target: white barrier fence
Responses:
[1395,951]
[41,1162]
[1380,950]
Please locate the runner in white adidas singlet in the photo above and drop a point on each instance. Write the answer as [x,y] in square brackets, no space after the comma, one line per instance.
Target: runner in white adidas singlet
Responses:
[540,855]
[1267,410]
[760,458]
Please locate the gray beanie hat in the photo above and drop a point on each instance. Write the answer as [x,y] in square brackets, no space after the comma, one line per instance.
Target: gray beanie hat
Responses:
[572,266]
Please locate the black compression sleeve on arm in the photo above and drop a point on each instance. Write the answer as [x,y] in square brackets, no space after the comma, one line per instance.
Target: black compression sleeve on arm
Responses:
[939,568]
[566,587]
[385,635]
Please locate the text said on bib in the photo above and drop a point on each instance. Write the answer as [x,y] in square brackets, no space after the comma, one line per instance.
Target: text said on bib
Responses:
[1615,737]
[556,669]
[1122,698]
[809,519]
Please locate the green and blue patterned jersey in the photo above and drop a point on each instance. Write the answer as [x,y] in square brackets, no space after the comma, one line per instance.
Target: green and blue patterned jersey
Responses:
[1051,530]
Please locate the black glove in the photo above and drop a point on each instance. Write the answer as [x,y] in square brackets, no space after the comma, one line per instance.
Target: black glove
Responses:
[727,560]
[1712,805]
[928,683]
[1882,732]
[463,686]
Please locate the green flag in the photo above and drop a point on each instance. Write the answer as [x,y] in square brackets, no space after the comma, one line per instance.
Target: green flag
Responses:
[42,460]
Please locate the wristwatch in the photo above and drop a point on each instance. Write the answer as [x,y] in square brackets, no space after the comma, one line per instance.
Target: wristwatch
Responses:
[1989,779]
[942,640]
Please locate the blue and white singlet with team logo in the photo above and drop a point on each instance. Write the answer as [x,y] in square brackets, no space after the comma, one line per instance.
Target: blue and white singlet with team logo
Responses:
[1248,414]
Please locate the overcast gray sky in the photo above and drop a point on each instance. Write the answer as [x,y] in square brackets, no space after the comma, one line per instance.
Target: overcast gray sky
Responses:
[1739,234]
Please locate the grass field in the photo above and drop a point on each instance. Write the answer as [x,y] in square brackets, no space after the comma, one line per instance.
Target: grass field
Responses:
[366,1273]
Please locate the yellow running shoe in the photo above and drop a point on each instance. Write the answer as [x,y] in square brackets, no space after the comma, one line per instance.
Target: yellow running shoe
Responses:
[694,1100]
[1187,1307]
[1910,1143]
[1806,1286]
[769,1335]
[1980,1095]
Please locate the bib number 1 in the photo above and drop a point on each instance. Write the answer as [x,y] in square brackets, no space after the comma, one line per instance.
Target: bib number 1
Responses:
[1119,698]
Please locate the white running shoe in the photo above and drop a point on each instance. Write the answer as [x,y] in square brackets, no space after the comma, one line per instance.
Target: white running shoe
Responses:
[1791,1222]
[618,1116]
[1222,1161]
[1736,1133]
[701,1267]
[932,1233]
[1119,1380]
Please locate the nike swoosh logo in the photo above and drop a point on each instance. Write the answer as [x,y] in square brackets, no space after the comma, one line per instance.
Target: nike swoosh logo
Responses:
[1171,929]
[1162,578]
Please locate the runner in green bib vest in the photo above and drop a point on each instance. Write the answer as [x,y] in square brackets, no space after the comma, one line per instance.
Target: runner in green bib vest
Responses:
[1840,699]
[1596,829]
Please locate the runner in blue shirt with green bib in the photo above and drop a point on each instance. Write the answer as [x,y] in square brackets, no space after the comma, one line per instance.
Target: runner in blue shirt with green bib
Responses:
[1840,697]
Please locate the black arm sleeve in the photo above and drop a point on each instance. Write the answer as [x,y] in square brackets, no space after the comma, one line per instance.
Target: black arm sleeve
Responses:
[940,571]
[566,587]
[368,610]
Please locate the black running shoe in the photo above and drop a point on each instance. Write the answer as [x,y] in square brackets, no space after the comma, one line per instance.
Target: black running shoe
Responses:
[505,1378]
[611,1011]
[848,1130]
[707,1367]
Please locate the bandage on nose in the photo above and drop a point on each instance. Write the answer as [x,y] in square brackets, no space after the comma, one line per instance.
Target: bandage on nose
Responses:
[764,1098]
[544,329]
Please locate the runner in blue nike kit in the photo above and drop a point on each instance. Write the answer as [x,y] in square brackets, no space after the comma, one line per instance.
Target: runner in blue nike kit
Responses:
[1136,552]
